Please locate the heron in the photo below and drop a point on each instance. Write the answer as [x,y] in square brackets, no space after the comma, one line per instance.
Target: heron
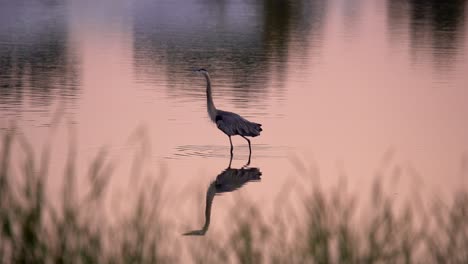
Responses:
[227,181]
[230,123]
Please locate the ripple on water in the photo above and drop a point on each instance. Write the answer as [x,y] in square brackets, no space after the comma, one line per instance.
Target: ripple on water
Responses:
[221,151]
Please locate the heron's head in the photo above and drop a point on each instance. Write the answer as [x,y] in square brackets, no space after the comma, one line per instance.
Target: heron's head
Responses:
[201,70]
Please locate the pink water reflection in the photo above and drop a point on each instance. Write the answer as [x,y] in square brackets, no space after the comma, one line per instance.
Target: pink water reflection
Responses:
[340,102]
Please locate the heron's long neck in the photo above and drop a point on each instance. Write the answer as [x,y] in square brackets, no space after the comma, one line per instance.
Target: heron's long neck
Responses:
[209,99]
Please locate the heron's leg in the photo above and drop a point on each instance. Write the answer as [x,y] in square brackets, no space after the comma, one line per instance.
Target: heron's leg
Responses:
[230,161]
[230,141]
[248,162]
[250,149]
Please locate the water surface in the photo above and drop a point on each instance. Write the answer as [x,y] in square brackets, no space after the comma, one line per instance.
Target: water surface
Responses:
[336,85]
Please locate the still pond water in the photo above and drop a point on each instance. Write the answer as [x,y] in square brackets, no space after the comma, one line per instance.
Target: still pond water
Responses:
[338,85]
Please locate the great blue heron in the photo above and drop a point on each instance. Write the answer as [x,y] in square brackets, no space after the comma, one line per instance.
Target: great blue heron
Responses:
[227,181]
[230,123]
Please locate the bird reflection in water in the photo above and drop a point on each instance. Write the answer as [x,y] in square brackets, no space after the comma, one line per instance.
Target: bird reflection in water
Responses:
[227,181]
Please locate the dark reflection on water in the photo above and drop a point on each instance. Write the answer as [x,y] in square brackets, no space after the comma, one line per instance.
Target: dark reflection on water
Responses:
[36,63]
[240,42]
[435,27]
[352,12]
[228,180]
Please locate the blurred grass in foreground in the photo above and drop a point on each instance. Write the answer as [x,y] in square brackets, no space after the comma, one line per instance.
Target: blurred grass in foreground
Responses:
[326,231]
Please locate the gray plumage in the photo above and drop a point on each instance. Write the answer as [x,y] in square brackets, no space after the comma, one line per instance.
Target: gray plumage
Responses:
[230,123]
[233,124]
[227,181]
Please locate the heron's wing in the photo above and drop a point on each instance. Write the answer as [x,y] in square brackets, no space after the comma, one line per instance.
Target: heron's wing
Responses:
[234,124]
